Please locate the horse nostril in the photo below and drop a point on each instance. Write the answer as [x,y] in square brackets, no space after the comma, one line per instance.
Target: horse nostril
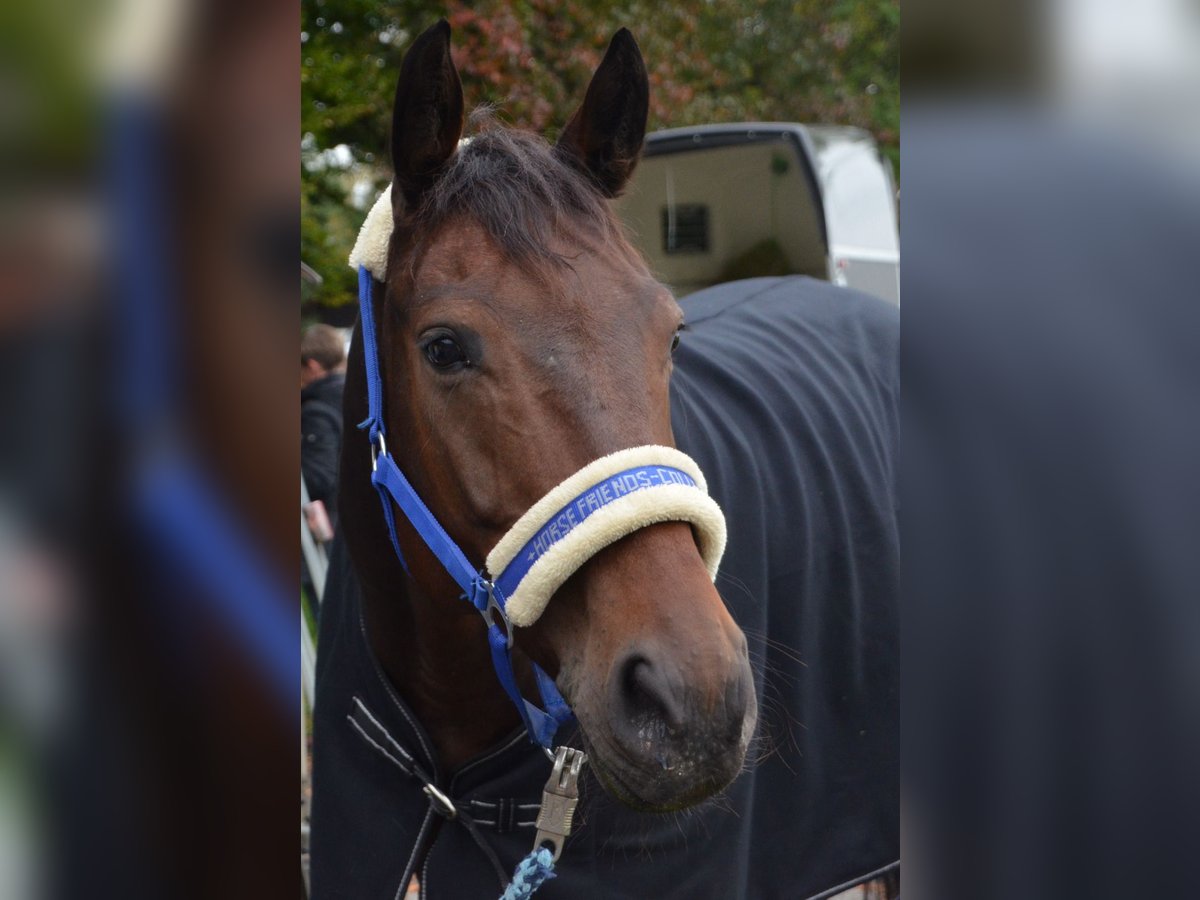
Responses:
[646,695]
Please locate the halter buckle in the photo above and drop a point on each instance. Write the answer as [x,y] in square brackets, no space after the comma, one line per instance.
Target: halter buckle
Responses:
[559,798]
[378,449]
[500,620]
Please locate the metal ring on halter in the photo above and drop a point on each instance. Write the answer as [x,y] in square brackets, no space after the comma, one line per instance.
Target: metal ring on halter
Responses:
[377,451]
[503,622]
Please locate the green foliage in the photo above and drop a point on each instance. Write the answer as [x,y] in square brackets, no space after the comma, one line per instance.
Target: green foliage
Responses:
[828,61]
[328,226]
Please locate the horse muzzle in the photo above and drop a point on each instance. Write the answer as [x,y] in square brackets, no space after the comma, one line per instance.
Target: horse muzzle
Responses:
[670,739]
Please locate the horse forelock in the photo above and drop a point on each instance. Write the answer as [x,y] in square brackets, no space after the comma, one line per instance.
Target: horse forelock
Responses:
[527,199]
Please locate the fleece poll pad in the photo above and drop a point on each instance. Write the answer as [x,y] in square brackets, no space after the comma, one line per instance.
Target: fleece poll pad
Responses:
[603,502]
[371,247]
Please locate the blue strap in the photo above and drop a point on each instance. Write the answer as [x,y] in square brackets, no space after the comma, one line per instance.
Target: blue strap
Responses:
[391,484]
[177,504]
[374,420]
[540,724]
[577,511]
[388,476]
[551,698]
[186,520]
[391,522]
[148,377]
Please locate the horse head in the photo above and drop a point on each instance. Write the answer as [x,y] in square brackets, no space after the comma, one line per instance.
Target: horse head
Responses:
[521,337]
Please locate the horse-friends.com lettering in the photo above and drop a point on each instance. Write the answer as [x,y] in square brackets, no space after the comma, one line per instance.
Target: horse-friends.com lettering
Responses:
[620,485]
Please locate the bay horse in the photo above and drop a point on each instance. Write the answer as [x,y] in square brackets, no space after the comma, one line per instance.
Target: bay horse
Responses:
[520,339]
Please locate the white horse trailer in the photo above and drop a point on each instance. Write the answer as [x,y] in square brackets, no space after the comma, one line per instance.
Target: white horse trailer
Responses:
[719,202]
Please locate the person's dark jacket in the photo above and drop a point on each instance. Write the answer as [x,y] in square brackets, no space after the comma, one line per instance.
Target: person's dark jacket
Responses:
[321,437]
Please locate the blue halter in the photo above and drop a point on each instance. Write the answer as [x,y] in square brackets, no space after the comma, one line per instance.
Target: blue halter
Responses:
[477,588]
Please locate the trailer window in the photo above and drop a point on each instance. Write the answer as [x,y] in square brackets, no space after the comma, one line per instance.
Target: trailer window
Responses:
[685,228]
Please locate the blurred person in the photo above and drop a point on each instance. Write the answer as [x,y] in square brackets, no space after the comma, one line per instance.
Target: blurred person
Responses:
[322,382]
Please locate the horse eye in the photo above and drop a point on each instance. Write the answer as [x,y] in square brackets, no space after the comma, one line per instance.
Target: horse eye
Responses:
[445,353]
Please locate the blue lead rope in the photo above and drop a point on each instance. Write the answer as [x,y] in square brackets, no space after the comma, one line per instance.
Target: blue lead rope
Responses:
[533,871]
[389,481]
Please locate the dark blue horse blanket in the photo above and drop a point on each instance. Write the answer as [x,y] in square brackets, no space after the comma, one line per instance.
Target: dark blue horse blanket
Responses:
[786,393]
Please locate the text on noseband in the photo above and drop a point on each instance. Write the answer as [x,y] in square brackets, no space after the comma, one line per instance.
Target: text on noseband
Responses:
[596,498]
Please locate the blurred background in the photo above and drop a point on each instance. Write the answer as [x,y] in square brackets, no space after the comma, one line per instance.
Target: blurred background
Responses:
[1050,221]
[148,563]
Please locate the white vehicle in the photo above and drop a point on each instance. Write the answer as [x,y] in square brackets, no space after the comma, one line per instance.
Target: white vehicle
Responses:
[719,202]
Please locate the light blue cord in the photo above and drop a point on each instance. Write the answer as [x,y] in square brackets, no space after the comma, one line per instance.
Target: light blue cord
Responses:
[532,871]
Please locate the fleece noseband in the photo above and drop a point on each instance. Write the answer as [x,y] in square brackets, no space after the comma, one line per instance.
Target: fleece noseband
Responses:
[607,499]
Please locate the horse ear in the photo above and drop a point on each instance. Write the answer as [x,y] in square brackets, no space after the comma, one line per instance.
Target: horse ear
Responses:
[427,117]
[604,137]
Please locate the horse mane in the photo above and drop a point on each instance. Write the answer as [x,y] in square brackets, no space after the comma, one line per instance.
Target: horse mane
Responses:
[524,195]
